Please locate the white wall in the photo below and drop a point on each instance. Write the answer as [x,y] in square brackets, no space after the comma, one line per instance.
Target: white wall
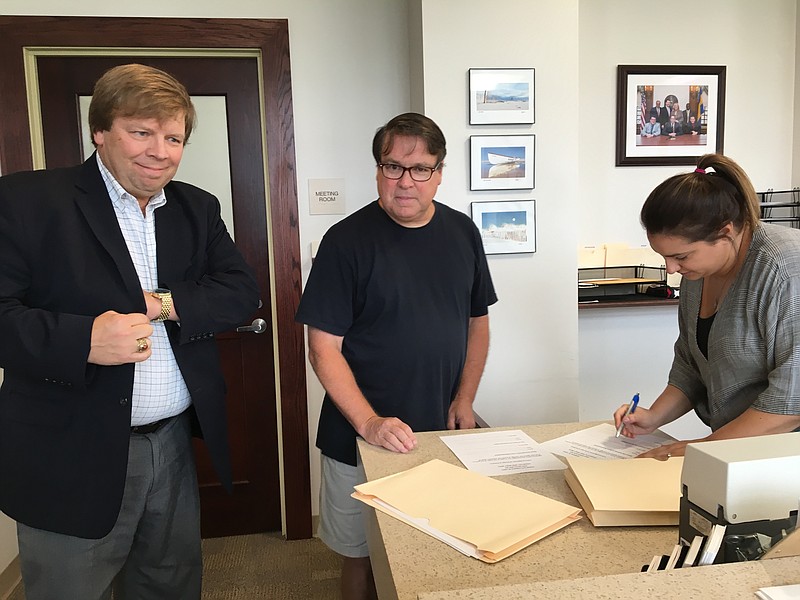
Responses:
[756,41]
[531,374]
[624,351]
[350,73]
[796,127]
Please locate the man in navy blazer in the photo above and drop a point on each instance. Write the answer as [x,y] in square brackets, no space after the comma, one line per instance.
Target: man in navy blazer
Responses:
[113,281]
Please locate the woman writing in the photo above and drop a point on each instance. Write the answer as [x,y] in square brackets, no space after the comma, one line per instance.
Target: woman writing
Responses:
[737,357]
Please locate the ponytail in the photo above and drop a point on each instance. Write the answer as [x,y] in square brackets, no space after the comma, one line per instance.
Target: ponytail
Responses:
[697,205]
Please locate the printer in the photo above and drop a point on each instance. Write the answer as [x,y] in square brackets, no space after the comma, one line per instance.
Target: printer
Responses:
[751,485]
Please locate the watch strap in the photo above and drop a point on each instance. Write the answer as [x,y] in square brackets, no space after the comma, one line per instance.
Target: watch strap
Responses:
[166,304]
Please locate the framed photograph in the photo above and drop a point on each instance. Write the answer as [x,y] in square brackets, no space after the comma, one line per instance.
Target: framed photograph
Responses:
[669,115]
[506,227]
[501,96]
[502,162]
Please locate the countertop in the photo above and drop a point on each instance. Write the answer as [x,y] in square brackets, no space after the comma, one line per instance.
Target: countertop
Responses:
[737,581]
[579,561]
[407,562]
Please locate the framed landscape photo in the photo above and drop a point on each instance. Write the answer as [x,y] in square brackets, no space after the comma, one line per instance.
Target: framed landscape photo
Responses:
[669,114]
[506,227]
[501,96]
[502,162]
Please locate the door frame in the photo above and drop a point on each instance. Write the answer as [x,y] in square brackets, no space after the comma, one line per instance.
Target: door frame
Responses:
[270,37]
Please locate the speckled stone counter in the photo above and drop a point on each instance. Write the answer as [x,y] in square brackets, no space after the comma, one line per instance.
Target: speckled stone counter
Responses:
[737,581]
[407,562]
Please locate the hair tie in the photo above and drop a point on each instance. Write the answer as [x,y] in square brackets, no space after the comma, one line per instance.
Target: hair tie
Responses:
[699,170]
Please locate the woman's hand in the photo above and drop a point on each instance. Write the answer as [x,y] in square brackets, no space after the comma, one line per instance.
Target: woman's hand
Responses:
[670,405]
[641,421]
[666,451]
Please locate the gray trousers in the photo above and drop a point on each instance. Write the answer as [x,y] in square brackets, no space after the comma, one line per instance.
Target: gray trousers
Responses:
[153,550]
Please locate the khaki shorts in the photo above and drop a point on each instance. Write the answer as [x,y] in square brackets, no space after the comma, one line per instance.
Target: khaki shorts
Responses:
[341,522]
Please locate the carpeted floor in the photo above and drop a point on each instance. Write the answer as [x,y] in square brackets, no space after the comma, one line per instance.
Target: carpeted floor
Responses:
[264,566]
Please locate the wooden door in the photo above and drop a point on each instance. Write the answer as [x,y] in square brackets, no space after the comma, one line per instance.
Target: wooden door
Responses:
[248,359]
[255,503]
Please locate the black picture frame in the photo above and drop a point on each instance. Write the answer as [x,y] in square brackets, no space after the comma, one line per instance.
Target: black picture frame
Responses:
[641,87]
[502,162]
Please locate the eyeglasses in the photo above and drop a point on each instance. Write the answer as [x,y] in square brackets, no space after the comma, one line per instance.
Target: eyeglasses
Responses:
[418,173]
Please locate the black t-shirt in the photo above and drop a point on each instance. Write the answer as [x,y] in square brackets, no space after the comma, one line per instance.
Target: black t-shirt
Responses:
[401,298]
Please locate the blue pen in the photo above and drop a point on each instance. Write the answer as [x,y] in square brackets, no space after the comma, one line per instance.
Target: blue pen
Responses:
[631,407]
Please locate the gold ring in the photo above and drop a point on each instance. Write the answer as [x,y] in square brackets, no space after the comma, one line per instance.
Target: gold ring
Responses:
[142,344]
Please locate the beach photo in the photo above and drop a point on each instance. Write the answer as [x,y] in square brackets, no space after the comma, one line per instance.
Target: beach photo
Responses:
[502,162]
[508,161]
[501,96]
[506,96]
[506,227]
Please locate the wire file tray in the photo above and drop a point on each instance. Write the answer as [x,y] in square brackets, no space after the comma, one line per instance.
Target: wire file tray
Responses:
[782,207]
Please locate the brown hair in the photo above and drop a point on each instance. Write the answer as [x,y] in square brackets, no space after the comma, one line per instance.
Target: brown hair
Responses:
[411,125]
[697,205]
[139,91]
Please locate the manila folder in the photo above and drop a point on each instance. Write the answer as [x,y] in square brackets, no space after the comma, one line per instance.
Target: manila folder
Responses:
[627,491]
[479,516]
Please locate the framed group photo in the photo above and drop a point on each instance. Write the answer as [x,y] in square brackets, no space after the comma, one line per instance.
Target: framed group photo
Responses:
[501,96]
[506,227]
[502,162]
[669,114]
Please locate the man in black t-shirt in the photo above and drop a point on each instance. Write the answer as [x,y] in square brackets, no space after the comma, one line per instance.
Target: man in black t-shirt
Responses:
[397,312]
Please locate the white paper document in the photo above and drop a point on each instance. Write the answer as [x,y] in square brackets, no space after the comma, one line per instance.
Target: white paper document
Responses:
[779,592]
[600,442]
[501,452]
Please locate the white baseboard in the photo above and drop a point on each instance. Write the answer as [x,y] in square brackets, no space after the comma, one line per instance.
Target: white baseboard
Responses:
[314,525]
[10,578]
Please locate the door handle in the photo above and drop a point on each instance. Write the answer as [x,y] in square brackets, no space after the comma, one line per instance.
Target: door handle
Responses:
[258,326]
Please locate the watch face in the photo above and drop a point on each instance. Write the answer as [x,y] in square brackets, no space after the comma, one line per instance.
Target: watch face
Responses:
[161,291]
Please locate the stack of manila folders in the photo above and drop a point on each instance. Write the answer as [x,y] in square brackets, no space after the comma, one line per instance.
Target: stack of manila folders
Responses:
[461,508]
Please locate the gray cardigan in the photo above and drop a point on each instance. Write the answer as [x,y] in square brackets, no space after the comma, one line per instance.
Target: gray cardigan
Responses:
[754,342]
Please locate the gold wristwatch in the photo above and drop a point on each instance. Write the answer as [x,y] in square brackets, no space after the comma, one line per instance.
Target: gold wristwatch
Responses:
[166,303]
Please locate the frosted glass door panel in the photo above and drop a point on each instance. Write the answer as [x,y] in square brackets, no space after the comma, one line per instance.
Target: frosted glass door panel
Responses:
[205,160]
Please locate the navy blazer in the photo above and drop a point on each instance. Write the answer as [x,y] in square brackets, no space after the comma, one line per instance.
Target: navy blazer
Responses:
[64,423]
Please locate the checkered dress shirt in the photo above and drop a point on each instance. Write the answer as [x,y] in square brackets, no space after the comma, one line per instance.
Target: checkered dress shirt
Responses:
[158,387]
